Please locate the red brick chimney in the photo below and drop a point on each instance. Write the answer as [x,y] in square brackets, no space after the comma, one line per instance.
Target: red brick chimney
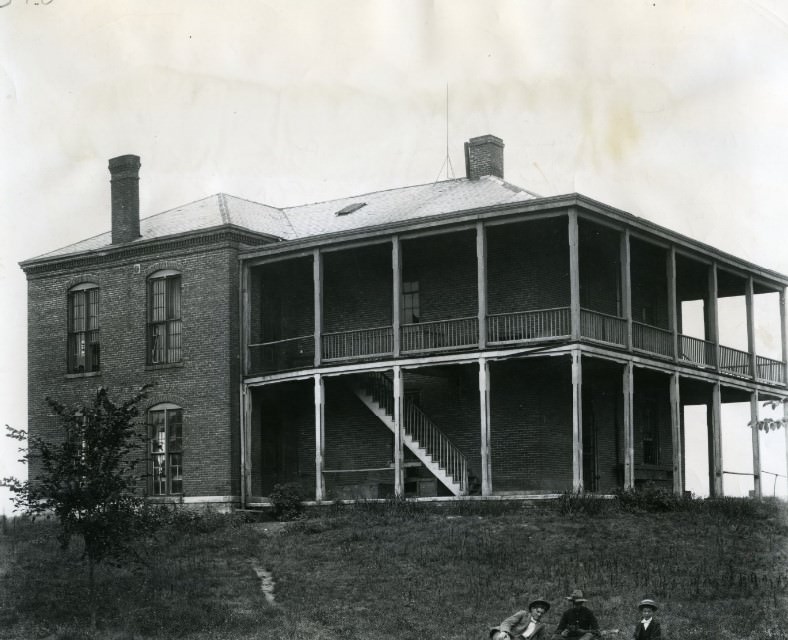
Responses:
[484,157]
[125,186]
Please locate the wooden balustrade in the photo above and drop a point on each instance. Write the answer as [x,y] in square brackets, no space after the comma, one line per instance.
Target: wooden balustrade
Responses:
[439,335]
[603,327]
[282,355]
[359,343]
[770,370]
[522,326]
[735,362]
[652,339]
[696,351]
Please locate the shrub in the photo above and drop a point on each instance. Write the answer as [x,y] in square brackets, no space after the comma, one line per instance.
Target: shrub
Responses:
[287,500]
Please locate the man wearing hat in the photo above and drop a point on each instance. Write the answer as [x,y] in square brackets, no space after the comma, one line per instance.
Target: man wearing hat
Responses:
[648,627]
[524,624]
[578,621]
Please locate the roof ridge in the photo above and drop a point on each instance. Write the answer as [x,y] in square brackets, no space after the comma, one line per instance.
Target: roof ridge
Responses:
[223,211]
[369,193]
[262,204]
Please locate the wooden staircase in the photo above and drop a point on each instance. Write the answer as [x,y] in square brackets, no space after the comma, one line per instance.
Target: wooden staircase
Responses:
[420,434]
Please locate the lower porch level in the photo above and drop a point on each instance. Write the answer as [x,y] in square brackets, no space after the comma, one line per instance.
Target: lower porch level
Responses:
[527,425]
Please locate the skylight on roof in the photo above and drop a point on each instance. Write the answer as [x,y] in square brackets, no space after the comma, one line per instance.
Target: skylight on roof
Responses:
[351,208]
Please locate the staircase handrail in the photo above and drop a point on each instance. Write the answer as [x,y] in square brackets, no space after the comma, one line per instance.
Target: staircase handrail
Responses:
[419,426]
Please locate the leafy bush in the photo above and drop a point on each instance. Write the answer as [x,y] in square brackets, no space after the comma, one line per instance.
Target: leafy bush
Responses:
[653,499]
[287,500]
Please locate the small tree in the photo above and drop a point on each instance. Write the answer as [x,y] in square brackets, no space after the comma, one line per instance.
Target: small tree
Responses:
[770,424]
[88,478]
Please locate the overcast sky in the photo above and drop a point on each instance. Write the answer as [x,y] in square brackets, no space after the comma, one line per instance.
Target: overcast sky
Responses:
[673,111]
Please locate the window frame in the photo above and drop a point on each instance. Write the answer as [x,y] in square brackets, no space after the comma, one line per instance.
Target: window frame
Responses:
[411,302]
[83,330]
[167,449]
[164,318]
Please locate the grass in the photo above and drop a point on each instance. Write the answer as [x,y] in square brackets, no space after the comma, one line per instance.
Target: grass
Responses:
[405,570]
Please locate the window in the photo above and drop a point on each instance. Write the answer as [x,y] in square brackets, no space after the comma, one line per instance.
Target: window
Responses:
[166,449]
[164,317]
[84,350]
[410,302]
[649,424]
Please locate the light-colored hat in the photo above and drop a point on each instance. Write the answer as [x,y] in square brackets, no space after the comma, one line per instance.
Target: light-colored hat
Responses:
[576,596]
[648,602]
[541,601]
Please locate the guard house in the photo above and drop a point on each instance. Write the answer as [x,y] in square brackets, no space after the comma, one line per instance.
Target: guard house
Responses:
[446,340]
[468,337]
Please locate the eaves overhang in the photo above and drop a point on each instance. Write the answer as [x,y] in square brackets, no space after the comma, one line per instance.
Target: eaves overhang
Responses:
[553,204]
[145,246]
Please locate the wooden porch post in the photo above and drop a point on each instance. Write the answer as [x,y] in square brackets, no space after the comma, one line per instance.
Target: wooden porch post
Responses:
[672,302]
[749,294]
[484,418]
[481,282]
[245,319]
[574,274]
[715,443]
[756,445]
[320,435]
[398,420]
[626,285]
[317,279]
[629,429]
[577,420]
[678,442]
[783,338]
[246,445]
[396,305]
[712,319]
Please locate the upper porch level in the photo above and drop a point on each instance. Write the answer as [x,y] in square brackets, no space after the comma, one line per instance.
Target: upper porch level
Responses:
[554,271]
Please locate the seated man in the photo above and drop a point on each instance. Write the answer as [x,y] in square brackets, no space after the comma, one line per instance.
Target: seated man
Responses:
[524,624]
[578,621]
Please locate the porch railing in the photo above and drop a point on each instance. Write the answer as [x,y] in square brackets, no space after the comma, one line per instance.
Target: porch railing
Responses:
[358,343]
[604,327]
[770,370]
[735,362]
[699,352]
[528,325]
[443,334]
[652,339]
[282,355]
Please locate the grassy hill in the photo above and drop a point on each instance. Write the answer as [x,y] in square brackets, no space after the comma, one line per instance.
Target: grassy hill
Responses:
[404,570]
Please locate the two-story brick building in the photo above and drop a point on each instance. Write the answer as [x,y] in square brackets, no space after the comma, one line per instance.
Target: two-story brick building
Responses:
[465,337]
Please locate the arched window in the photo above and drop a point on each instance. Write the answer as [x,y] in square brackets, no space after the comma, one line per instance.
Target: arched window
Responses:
[164,317]
[165,425]
[84,347]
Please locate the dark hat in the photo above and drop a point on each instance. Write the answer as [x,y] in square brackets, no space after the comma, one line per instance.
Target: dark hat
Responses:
[541,601]
[648,602]
[576,596]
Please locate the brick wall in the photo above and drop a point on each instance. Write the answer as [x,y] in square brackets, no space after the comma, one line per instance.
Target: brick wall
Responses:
[600,270]
[649,284]
[531,425]
[603,448]
[528,266]
[445,268]
[282,300]
[283,437]
[357,288]
[204,384]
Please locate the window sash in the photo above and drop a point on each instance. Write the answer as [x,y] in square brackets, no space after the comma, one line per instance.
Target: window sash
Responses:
[83,340]
[166,451]
[164,331]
